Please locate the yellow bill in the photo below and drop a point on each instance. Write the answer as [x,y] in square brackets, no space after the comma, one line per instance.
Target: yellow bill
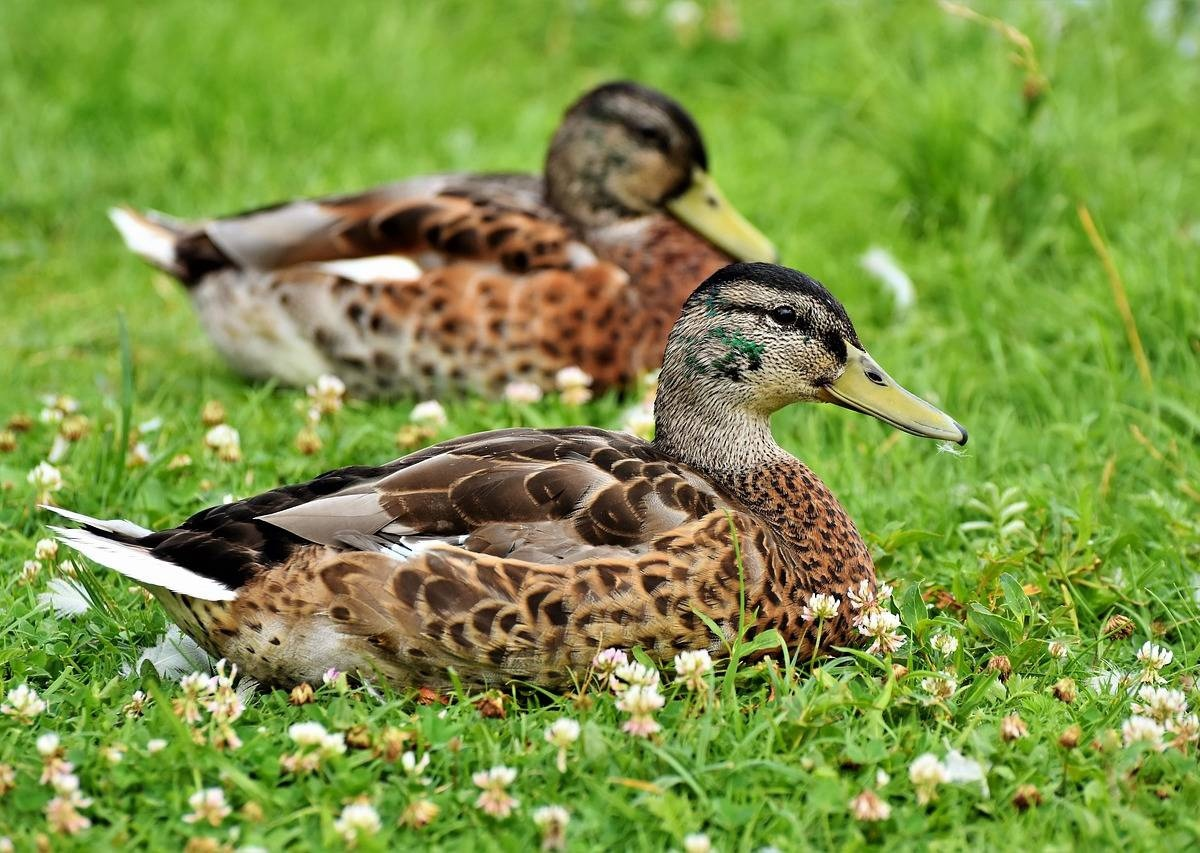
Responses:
[865,387]
[704,209]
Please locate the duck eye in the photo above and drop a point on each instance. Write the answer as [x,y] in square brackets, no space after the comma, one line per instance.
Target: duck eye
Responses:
[652,136]
[784,315]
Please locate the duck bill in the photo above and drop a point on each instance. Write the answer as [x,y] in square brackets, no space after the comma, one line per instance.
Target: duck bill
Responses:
[865,387]
[704,209]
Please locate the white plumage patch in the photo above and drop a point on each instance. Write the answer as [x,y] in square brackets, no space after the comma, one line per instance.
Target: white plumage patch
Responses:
[151,241]
[375,268]
[112,525]
[135,562]
[174,654]
[65,598]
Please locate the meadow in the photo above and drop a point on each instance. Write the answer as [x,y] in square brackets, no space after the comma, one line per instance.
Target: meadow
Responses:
[1038,184]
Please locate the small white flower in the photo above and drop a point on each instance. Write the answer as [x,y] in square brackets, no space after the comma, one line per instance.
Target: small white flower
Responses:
[870,807]
[562,733]
[572,377]
[495,799]
[29,571]
[45,478]
[429,414]
[552,821]
[862,597]
[411,765]
[697,842]
[113,753]
[155,745]
[881,778]
[820,606]
[882,266]
[640,702]
[606,662]
[881,626]
[208,805]
[1159,703]
[139,455]
[1153,659]
[947,644]
[65,598]
[683,15]
[1058,649]
[225,441]
[522,393]
[940,687]
[48,744]
[634,674]
[23,703]
[1139,729]
[45,549]
[356,822]
[307,734]
[327,394]
[691,667]
[926,773]
[1185,727]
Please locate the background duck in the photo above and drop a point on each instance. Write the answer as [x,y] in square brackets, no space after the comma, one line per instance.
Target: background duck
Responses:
[519,553]
[469,282]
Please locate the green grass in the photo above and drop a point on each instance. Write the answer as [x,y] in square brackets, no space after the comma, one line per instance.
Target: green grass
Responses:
[834,127]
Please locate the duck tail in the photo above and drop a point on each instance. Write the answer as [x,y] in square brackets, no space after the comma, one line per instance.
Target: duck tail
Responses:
[154,237]
[119,545]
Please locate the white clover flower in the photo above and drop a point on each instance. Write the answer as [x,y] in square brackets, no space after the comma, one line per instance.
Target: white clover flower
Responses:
[691,667]
[307,734]
[327,395]
[863,598]
[357,821]
[522,393]
[1160,703]
[155,745]
[640,702]
[697,842]
[606,662]
[139,455]
[48,744]
[23,703]
[225,441]
[881,626]
[1185,727]
[113,753]
[820,606]
[926,773]
[940,687]
[411,765]
[332,744]
[29,571]
[562,733]
[947,644]
[639,421]
[429,414]
[495,799]
[552,821]
[1058,649]
[209,806]
[870,807]
[574,386]
[46,479]
[1139,729]
[45,549]
[1153,659]
[1012,727]
[633,674]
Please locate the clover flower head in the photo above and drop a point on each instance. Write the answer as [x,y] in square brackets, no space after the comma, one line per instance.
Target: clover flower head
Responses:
[208,806]
[820,606]
[357,821]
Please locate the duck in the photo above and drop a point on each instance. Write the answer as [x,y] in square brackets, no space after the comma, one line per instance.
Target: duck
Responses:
[465,283]
[516,555]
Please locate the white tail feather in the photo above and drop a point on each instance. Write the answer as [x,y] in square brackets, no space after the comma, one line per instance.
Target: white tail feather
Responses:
[136,562]
[113,525]
[145,238]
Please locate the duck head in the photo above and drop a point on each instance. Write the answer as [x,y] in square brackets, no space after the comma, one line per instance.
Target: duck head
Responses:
[756,337]
[624,151]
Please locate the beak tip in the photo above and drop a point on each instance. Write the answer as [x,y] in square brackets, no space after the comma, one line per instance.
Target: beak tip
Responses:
[963,430]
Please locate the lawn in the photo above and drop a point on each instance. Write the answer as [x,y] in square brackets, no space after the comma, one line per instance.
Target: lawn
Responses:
[1044,209]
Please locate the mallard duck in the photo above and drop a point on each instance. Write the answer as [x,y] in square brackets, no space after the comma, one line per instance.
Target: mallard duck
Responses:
[470,282]
[518,554]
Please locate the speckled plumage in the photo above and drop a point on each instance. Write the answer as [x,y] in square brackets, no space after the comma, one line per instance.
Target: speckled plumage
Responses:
[508,277]
[518,554]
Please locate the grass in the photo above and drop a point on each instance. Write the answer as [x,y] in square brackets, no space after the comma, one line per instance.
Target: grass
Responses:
[834,127]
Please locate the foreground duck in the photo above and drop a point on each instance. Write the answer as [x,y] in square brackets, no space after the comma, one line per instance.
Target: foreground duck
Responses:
[518,554]
[469,282]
